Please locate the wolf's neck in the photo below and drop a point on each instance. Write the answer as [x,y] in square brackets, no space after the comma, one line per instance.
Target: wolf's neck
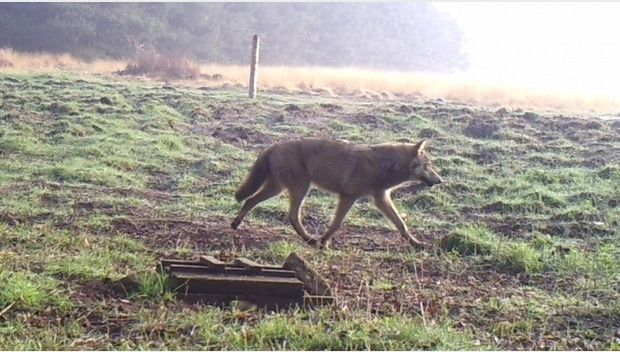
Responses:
[393,173]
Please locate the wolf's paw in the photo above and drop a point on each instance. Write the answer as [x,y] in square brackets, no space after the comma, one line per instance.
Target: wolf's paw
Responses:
[235,224]
[324,244]
[311,241]
[417,244]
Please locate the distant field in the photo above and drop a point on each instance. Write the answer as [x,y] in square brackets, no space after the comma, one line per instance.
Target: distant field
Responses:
[101,176]
[352,81]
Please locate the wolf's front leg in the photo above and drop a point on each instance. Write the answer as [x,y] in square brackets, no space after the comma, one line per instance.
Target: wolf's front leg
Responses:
[384,203]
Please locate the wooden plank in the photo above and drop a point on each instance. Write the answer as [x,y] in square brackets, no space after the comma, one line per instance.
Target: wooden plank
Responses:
[164,265]
[247,263]
[237,284]
[220,277]
[212,262]
[278,272]
[168,262]
[271,267]
[314,283]
[254,266]
[189,269]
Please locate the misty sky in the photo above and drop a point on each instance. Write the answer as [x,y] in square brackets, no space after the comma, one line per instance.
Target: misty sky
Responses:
[573,46]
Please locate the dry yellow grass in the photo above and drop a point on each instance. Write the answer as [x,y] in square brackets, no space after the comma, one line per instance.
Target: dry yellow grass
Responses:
[46,62]
[372,84]
[447,86]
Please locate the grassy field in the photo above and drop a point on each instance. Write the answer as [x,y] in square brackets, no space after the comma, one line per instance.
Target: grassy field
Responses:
[100,177]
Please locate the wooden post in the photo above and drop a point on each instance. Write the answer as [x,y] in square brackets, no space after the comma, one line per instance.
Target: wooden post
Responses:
[253,67]
[314,283]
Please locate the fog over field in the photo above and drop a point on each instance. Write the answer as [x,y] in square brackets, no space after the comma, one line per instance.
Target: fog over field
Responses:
[573,47]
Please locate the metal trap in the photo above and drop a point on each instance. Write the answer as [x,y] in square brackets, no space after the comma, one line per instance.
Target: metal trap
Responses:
[212,281]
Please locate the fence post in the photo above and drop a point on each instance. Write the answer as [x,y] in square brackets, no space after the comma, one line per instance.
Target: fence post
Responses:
[253,67]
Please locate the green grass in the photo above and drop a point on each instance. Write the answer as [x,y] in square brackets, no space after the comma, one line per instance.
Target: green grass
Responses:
[504,254]
[525,228]
[542,254]
[29,291]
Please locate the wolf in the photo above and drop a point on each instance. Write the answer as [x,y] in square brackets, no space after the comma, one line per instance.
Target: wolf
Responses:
[352,171]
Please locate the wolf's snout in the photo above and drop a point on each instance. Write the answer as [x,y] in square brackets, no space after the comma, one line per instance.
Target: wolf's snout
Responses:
[432,180]
[428,183]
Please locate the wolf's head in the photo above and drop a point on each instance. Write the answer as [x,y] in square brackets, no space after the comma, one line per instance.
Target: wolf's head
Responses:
[421,167]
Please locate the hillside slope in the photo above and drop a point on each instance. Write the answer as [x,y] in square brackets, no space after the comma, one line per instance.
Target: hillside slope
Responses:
[101,177]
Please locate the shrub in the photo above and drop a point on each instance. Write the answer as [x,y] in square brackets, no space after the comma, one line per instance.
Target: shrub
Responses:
[151,63]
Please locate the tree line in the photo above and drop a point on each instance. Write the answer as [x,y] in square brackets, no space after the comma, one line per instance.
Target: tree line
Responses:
[400,36]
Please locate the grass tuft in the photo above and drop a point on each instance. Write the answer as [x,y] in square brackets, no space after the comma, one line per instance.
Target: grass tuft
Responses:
[32,292]
[470,240]
[507,255]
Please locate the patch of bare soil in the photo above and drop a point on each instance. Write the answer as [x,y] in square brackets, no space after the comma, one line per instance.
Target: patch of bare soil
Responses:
[330,107]
[19,219]
[369,239]
[509,226]
[481,129]
[240,136]
[577,229]
[426,288]
[201,235]
[100,289]
[367,120]
[312,117]
[99,296]
[163,182]
[230,126]
[216,234]
[81,208]
[9,218]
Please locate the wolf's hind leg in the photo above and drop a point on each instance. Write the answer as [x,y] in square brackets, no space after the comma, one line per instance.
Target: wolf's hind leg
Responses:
[384,203]
[297,193]
[269,189]
[344,205]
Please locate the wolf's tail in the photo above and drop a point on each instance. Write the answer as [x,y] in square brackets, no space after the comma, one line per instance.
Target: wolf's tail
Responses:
[258,175]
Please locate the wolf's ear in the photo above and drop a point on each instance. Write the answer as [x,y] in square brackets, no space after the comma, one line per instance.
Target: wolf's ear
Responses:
[418,148]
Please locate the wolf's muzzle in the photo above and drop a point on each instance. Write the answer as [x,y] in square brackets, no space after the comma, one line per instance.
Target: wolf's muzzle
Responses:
[431,183]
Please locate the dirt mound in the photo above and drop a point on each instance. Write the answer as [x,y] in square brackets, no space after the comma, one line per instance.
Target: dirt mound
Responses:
[241,136]
[481,129]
